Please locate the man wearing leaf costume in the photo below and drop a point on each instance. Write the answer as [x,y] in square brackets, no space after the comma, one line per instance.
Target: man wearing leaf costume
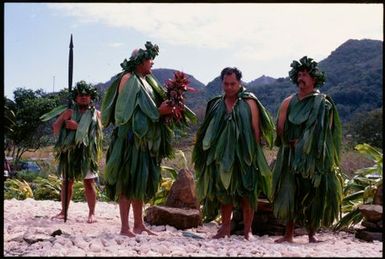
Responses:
[79,146]
[231,169]
[136,104]
[307,184]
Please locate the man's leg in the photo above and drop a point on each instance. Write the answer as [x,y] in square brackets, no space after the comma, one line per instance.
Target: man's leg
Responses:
[248,215]
[90,192]
[312,239]
[137,206]
[289,234]
[124,208]
[69,197]
[225,228]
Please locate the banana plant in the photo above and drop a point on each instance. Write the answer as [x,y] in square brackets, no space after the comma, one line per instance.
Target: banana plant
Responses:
[361,188]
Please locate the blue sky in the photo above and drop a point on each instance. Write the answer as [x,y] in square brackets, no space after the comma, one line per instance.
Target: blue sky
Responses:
[199,39]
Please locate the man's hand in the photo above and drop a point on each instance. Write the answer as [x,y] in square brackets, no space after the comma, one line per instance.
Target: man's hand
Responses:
[177,112]
[71,124]
[67,114]
[165,109]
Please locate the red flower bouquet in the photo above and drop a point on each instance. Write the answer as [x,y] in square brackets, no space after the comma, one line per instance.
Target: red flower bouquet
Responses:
[176,87]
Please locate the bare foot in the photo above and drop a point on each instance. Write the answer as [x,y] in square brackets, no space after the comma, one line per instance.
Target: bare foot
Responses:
[91,218]
[312,239]
[140,229]
[222,232]
[127,233]
[58,216]
[284,239]
[248,236]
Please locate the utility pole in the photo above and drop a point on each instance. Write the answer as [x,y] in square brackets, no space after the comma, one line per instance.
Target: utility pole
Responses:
[53,85]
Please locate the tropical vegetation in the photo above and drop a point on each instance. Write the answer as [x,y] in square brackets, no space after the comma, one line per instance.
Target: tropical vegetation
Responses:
[362,188]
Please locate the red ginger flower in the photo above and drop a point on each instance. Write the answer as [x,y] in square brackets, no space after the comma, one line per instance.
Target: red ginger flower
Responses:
[176,87]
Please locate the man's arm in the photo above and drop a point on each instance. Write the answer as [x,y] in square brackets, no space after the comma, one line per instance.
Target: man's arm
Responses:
[66,115]
[282,115]
[255,120]
[123,81]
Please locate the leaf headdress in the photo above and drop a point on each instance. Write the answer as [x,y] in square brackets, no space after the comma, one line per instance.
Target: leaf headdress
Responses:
[150,53]
[312,68]
[83,88]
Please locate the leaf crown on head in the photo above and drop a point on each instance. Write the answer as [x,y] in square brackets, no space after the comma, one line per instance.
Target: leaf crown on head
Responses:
[311,67]
[83,88]
[138,57]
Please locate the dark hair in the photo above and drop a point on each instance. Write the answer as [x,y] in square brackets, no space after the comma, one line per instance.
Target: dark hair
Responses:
[231,70]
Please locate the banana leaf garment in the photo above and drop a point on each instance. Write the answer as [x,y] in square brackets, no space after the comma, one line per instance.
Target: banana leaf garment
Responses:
[140,139]
[229,163]
[307,183]
[78,152]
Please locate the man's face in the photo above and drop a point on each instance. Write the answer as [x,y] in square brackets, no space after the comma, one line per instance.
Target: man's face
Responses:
[83,99]
[145,66]
[231,85]
[305,80]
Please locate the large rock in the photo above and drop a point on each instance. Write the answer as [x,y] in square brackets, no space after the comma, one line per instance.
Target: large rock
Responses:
[264,222]
[177,217]
[371,212]
[378,196]
[368,235]
[369,225]
[372,222]
[182,193]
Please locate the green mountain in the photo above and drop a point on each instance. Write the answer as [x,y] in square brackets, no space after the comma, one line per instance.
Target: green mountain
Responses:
[355,76]
[353,79]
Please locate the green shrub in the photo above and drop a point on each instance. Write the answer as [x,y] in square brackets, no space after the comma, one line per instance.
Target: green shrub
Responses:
[47,188]
[78,193]
[28,176]
[101,194]
[14,188]
[361,188]
[169,175]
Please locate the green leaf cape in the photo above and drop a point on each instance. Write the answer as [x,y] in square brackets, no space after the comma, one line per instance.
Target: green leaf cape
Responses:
[140,139]
[307,183]
[229,163]
[78,152]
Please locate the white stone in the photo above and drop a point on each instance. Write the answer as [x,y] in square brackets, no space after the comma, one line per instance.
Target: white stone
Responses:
[162,249]
[171,228]
[96,246]
[14,237]
[159,228]
[104,237]
[81,243]
[151,253]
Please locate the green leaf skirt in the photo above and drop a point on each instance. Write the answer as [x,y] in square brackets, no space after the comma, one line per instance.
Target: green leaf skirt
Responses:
[130,168]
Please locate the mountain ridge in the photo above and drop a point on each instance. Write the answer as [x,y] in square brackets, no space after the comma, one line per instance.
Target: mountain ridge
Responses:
[353,79]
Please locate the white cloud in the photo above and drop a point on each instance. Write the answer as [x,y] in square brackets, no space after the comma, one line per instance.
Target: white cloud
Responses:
[226,25]
[249,31]
[115,44]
